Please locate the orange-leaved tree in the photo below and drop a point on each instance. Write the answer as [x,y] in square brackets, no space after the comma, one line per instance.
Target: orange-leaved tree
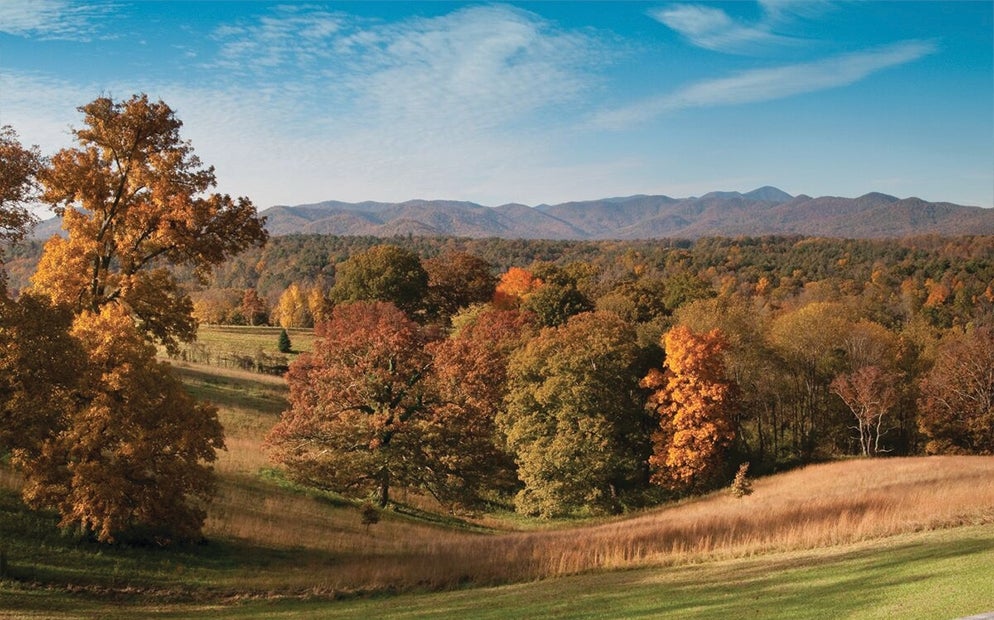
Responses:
[131,196]
[695,402]
[131,459]
[132,464]
[514,286]
[354,402]
[18,167]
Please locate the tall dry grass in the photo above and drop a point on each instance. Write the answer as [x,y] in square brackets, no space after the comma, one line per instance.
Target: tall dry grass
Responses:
[819,506]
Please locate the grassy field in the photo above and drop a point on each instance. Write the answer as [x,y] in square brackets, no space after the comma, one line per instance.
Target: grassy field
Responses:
[863,538]
[234,346]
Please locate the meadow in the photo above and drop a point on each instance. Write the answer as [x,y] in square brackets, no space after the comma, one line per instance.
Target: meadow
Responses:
[911,537]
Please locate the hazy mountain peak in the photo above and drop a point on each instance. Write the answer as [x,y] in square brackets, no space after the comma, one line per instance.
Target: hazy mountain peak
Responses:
[768,193]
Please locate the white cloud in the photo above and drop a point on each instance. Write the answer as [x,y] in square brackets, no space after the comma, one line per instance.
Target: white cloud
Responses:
[51,19]
[713,29]
[769,84]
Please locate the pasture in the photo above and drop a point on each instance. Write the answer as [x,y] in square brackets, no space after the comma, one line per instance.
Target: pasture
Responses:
[862,538]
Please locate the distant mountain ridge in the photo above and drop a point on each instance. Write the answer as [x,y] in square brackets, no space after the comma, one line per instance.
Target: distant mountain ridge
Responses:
[763,211]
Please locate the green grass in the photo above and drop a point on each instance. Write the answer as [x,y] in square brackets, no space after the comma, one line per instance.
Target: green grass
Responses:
[246,340]
[235,346]
[940,574]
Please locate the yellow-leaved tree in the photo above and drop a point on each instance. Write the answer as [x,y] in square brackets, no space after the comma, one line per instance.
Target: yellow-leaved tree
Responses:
[695,402]
[131,458]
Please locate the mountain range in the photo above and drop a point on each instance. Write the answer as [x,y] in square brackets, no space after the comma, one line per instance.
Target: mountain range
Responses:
[764,211]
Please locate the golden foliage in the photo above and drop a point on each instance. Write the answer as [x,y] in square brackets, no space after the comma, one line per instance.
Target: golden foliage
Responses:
[694,402]
[131,194]
[133,461]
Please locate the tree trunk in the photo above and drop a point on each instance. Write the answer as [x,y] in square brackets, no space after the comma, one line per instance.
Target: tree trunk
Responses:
[384,491]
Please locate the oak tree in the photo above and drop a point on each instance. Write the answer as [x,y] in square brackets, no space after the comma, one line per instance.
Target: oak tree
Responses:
[573,417]
[133,461]
[132,195]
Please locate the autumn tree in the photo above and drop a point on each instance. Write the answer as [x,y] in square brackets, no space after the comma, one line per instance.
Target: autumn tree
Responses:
[573,417]
[254,308]
[134,462]
[695,403]
[870,394]
[40,367]
[292,309]
[354,401]
[957,395]
[757,371]
[131,195]
[457,280]
[383,273]
[513,287]
[132,457]
[463,453]
[18,169]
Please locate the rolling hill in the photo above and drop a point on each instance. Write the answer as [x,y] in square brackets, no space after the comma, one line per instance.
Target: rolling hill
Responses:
[764,211]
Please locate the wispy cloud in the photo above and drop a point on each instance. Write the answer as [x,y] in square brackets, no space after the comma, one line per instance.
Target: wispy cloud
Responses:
[712,28]
[333,105]
[486,60]
[52,19]
[769,84]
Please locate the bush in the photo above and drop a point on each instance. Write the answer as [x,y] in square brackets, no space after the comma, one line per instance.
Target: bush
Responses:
[742,485]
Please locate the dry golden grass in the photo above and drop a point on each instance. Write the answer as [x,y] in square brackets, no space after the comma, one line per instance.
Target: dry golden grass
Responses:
[819,506]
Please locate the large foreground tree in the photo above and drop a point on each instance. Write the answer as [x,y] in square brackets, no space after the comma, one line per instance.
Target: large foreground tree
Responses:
[133,462]
[130,455]
[132,195]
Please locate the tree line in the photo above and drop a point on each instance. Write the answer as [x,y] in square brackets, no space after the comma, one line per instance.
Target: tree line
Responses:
[526,388]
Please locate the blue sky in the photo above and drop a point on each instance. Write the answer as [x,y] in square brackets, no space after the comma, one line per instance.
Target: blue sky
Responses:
[530,102]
